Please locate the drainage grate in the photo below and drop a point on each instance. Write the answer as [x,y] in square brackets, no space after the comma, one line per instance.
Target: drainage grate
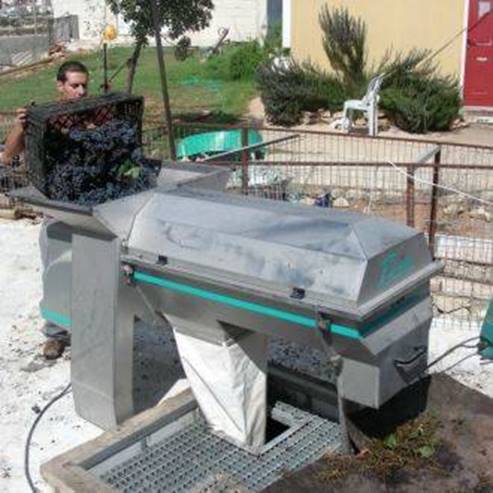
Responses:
[194,459]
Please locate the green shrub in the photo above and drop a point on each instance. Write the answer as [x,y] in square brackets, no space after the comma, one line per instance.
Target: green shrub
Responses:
[273,40]
[183,48]
[414,94]
[422,105]
[287,91]
[237,62]
[245,60]
[217,66]
[344,42]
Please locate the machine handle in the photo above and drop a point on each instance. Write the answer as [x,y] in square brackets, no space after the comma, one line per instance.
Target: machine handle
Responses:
[411,368]
[418,352]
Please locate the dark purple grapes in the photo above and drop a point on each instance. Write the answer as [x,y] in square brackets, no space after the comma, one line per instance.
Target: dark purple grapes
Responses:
[86,164]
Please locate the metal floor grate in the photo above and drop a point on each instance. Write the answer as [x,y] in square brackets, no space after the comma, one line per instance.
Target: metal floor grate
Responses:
[194,459]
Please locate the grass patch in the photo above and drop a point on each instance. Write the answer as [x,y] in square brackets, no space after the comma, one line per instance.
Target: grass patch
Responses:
[194,86]
[412,445]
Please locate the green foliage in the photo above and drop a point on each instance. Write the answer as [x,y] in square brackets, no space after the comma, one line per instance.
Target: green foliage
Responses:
[390,441]
[225,98]
[178,16]
[183,48]
[129,170]
[344,42]
[423,104]
[401,67]
[238,61]
[273,39]
[426,452]
[414,94]
[289,90]
[245,60]
[412,445]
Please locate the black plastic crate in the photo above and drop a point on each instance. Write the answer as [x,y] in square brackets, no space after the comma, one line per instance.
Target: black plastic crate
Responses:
[44,119]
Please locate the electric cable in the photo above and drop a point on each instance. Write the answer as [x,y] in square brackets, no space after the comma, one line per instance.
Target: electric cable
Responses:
[27,446]
[451,40]
[443,187]
[457,363]
[462,344]
[435,53]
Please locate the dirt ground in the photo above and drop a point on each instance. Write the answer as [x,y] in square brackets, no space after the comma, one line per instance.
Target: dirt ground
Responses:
[460,225]
[463,447]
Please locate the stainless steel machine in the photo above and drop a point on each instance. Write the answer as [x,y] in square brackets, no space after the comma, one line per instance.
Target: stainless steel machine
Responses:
[218,264]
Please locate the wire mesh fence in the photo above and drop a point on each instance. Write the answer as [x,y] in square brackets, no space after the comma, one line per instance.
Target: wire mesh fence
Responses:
[10,179]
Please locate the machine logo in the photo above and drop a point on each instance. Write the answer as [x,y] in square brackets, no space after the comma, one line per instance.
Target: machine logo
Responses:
[393,268]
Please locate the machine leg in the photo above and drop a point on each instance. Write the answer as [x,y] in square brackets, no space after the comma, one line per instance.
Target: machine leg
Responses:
[102,333]
[341,409]
[337,363]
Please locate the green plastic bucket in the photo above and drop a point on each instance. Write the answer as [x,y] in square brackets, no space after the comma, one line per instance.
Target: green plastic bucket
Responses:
[211,143]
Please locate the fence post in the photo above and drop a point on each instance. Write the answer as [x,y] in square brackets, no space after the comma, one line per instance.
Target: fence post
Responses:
[244,160]
[434,203]
[410,196]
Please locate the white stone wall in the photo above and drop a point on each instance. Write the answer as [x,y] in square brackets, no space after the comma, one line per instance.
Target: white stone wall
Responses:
[93,15]
[246,19]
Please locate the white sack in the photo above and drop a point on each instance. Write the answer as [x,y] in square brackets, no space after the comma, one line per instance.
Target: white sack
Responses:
[229,381]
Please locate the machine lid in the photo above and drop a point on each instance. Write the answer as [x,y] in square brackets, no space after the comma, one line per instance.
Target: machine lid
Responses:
[331,257]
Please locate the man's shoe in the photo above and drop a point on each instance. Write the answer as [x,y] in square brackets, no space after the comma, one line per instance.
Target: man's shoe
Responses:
[54,348]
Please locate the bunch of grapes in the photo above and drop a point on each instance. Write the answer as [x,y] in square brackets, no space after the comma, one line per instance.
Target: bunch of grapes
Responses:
[86,164]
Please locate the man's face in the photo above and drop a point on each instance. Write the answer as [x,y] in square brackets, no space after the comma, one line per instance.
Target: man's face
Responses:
[74,87]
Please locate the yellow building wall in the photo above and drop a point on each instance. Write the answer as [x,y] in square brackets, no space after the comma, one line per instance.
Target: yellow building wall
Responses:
[397,24]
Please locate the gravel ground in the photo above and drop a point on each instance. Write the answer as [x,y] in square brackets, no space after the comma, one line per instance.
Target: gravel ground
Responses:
[27,382]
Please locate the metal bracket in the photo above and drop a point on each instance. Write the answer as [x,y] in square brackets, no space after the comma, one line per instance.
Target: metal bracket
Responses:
[323,331]
[297,293]
[128,274]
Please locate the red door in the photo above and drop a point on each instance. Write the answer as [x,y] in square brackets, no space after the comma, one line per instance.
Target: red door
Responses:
[478,83]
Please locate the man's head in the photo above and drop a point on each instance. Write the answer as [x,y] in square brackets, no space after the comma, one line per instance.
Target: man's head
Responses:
[72,80]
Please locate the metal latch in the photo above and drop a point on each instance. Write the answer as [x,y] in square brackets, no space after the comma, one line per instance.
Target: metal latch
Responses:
[297,293]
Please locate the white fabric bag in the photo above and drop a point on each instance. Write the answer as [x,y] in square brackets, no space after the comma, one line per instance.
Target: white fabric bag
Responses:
[229,381]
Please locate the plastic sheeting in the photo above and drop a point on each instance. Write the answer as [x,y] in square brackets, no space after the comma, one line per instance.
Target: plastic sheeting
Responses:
[229,381]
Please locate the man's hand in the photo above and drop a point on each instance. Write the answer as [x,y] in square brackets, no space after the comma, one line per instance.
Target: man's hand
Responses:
[15,144]
[21,117]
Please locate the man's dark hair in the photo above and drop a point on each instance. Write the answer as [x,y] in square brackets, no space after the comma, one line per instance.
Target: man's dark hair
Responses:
[66,67]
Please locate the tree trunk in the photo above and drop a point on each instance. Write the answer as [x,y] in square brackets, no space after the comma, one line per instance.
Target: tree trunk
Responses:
[132,66]
[164,82]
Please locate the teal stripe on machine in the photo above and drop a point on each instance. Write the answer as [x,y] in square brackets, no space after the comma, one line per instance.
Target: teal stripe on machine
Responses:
[225,300]
[344,331]
[56,318]
[337,329]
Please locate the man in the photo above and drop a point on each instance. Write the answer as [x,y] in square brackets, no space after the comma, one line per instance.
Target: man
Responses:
[72,83]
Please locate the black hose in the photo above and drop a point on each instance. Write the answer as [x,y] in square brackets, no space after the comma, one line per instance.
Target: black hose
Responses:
[65,391]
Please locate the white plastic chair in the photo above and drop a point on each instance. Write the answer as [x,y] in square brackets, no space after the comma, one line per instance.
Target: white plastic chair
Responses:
[368,105]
